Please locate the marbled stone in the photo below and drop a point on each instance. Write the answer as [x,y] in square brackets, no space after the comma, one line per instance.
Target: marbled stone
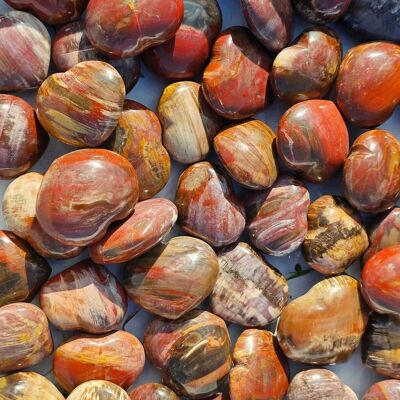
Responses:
[101,390]
[22,140]
[81,107]
[320,384]
[189,123]
[322,11]
[325,325]
[193,352]
[124,28]
[23,38]
[247,151]
[277,217]
[22,271]
[312,139]
[25,338]
[335,237]
[172,278]
[368,84]
[83,192]
[28,386]
[260,371]
[117,357]
[248,291]
[270,21]
[235,82]
[185,55]
[380,281]
[71,46]
[384,390]
[207,205]
[377,154]
[138,139]
[150,223]
[153,391]
[84,297]
[19,213]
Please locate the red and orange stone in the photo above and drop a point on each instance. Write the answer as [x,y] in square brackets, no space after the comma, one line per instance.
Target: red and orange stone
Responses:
[150,223]
[384,390]
[312,139]
[83,192]
[25,338]
[380,281]
[117,357]
[84,297]
[235,82]
[153,391]
[368,84]
[260,370]
[22,139]
[124,28]
[185,55]
[377,154]
[207,205]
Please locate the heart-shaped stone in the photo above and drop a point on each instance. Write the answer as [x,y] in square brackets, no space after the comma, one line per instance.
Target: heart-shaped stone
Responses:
[153,391]
[161,281]
[98,389]
[81,107]
[24,51]
[207,205]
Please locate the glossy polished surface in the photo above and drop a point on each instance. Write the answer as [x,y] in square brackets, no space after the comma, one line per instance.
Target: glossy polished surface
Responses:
[19,212]
[117,357]
[235,82]
[322,11]
[150,223]
[126,28]
[377,152]
[307,69]
[335,238]
[189,123]
[270,21]
[207,205]
[28,386]
[138,139]
[320,384]
[71,46]
[83,192]
[152,391]
[193,352]
[101,390]
[186,54]
[22,273]
[173,278]
[22,140]
[312,139]
[277,217]
[71,107]
[248,291]
[384,390]
[325,325]
[84,297]
[380,281]
[25,338]
[247,152]
[368,84]
[259,371]
[23,37]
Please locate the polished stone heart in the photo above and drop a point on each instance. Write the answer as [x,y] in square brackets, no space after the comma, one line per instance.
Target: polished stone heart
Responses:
[102,390]
[81,107]
[152,391]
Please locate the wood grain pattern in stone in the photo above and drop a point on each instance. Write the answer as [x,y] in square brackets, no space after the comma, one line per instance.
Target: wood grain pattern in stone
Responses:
[335,237]
[325,325]
[152,391]
[322,11]
[84,297]
[277,217]
[23,37]
[235,82]
[384,390]
[83,192]
[172,278]
[248,291]
[98,390]
[207,205]
[247,151]
[25,338]
[19,212]
[189,123]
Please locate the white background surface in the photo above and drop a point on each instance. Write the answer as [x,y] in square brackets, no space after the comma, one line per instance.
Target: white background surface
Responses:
[148,91]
